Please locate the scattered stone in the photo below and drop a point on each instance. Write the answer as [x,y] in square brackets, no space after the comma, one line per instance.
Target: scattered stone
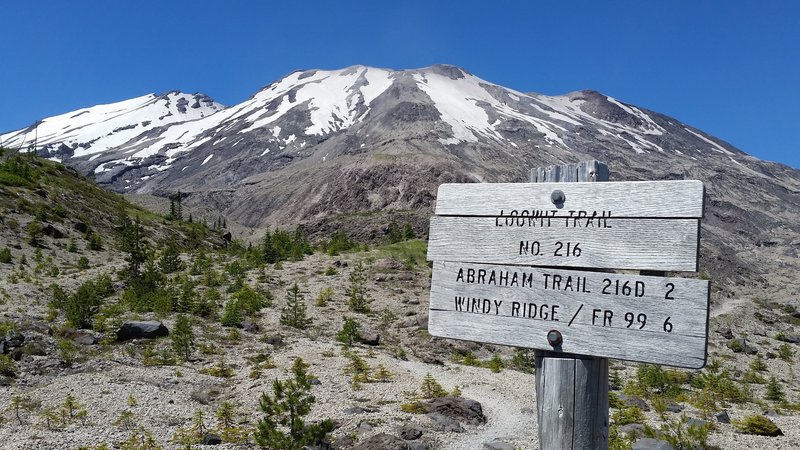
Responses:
[355,410]
[53,232]
[211,439]
[651,444]
[632,428]
[275,340]
[723,417]
[725,332]
[405,276]
[696,422]
[41,328]
[790,338]
[413,301]
[634,401]
[408,322]
[141,329]
[497,445]
[446,423]
[675,407]
[250,325]
[11,341]
[409,432]
[363,427]
[205,395]
[417,445]
[371,339]
[382,441]
[740,345]
[430,358]
[346,441]
[527,410]
[82,337]
[35,348]
[461,409]
[422,321]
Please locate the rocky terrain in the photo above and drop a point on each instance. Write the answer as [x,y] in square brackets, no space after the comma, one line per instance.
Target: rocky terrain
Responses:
[68,386]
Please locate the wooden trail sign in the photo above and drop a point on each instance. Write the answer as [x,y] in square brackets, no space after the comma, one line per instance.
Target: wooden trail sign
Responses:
[639,318]
[625,225]
[481,228]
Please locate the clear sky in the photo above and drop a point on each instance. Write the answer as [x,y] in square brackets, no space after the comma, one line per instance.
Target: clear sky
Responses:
[730,68]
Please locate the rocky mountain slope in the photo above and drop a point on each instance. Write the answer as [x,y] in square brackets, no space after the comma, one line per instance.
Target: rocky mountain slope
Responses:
[71,379]
[323,147]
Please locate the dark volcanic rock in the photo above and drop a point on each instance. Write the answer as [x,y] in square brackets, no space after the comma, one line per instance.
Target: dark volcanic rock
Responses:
[460,409]
[446,423]
[634,401]
[371,339]
[382,441]
[211,439]
[409,432]
[147,329]
[53,232]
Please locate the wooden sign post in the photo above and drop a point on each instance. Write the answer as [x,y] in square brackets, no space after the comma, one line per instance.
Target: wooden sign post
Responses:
[498,252]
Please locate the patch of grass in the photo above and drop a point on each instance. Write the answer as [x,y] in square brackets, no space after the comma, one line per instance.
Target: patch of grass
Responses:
[412,253]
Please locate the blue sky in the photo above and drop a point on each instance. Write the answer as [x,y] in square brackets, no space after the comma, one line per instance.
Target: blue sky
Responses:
[730,68]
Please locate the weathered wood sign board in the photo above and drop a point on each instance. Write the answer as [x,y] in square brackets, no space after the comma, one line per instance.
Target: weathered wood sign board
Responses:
[627,225]
[480,229]
[640,318]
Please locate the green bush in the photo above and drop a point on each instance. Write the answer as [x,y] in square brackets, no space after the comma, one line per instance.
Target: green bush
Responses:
[294,313]
[431,388]
[349,332]
[182,337]
[324,297]
[774,391]
[339,242]
[5,256]
[357,292]
[81,306]
[627,415]
[785,352]
[681,434]
[232,314]
[282,245]
[759,425]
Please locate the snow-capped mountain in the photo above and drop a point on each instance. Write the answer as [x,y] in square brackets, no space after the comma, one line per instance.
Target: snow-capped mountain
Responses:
[131,144]
[318,146]
[91,131]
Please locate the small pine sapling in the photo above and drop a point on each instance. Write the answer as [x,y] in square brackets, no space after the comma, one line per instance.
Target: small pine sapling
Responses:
[285,409]
[294,313]
[357,294]
[349,332]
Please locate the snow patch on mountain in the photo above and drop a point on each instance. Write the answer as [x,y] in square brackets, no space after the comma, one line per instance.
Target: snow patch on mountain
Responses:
[100,128]
[716,147]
